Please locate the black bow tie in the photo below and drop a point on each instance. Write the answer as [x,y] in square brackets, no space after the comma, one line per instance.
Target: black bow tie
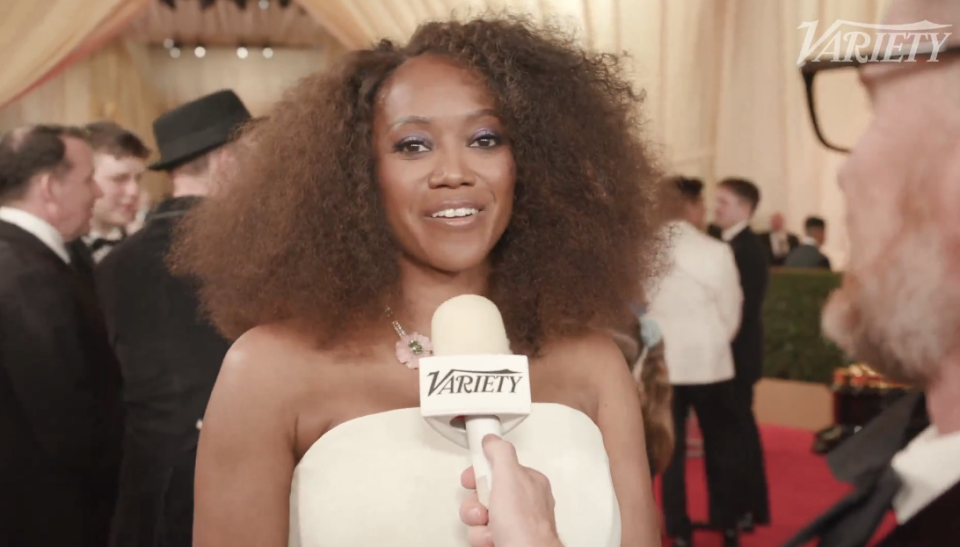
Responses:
[100,243]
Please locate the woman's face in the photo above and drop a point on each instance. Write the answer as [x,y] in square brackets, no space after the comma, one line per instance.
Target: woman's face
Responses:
[444,165]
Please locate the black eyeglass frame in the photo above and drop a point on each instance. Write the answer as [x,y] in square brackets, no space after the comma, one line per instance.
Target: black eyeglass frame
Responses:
[811,67]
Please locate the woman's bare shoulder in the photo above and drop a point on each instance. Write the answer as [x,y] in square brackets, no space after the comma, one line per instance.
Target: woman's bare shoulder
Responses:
[582,368]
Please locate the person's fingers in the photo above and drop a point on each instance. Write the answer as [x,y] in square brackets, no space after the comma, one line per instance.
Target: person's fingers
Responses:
[480,536]
[499,452]
[467,479]
[472,512]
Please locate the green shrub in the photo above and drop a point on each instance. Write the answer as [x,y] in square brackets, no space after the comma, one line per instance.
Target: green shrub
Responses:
[795,347]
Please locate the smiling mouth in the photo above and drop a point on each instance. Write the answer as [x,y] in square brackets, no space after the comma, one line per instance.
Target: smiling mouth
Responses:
[460,212]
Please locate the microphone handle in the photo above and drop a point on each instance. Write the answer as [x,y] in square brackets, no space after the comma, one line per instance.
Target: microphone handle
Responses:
[479,427]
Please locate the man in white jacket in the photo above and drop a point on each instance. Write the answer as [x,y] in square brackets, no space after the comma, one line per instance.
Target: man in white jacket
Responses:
[698,306]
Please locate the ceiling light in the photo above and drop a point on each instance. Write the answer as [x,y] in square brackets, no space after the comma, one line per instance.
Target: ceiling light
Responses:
[175,52]
[264,4]
[268,52]
[242,52]
[200,51]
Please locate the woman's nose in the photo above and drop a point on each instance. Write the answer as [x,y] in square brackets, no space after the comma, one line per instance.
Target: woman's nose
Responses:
[450,171]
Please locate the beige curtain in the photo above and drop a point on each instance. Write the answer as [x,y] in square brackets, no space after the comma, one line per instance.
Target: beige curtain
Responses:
[259,81]
[763,126]
[39,37]
[107,85]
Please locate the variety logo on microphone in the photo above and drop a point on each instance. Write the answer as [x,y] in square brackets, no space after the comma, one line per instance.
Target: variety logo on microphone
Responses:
[456,381]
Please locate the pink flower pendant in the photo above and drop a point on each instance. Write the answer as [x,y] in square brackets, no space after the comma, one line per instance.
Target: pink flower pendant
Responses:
[411,347]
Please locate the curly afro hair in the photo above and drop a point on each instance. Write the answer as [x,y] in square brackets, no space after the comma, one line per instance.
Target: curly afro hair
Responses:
[302,236]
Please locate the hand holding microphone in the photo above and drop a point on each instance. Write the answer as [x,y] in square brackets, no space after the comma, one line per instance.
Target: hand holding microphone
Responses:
[521,503]
[473,386]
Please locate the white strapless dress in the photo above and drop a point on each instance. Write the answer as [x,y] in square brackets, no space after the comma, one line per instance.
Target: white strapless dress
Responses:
[389,479]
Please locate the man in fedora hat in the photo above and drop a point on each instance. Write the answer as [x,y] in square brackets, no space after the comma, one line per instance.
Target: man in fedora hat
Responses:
[170,356]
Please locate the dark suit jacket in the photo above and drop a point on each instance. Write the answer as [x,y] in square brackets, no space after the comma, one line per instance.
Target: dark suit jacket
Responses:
[807,256]
[936,525]
[60,418]
[169,354]
[792,243]
[748,345]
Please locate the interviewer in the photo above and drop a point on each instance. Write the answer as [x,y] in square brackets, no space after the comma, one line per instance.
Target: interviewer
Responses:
[521,503]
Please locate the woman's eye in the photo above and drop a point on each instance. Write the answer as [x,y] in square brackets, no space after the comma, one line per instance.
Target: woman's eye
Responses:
[411,146]
[486,140]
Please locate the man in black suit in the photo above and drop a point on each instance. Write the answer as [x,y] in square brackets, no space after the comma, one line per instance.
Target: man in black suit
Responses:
[169,353]
[60,419]
[736,202]
[808,255]
[898,306]
[778,242]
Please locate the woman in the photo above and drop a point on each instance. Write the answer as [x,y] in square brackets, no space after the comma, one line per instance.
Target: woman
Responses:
[487,158]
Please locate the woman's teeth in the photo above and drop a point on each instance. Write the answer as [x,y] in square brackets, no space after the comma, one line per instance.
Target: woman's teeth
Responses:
[456,213]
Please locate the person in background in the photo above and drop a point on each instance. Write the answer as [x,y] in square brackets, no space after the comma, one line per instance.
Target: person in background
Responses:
[809,255]
[143,209]
[898,308]
[697,305]
[170,355]
[778,242]
[60,415]
[642,345]
[736,203]
[119,158]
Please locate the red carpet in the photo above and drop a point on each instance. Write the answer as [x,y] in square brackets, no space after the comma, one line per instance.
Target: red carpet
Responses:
[801,487]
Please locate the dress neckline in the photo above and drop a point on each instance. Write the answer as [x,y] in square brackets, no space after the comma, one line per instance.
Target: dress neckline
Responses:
[344,427]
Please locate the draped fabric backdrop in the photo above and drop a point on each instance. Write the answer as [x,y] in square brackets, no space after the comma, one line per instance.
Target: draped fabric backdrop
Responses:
[723,93]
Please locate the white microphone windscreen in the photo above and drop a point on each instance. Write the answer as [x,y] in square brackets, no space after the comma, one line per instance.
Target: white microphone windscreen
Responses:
[468,325]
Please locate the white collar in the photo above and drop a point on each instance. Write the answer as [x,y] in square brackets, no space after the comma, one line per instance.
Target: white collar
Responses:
[37,227]
[735,230]
[807,240]
[927,467]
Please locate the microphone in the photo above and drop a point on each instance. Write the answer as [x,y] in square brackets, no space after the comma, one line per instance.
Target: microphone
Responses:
[473,386]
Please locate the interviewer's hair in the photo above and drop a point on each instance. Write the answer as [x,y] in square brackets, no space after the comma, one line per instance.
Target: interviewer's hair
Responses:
[306,215]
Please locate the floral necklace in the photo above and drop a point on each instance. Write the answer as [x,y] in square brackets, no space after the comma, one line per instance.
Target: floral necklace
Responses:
[410,347]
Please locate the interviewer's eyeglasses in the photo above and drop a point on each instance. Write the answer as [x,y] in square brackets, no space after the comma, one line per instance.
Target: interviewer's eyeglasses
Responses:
[839,106]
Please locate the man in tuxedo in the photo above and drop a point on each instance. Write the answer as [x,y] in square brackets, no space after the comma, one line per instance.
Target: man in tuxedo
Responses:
[736,202]
[697,306]
[119,158]
[60,419]
[808,255]
[778,242]
[899,306]
[170,355]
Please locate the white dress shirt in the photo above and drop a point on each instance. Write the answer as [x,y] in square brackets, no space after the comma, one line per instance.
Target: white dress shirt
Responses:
[734,230]
[927,467]
[40,229]
[698,306]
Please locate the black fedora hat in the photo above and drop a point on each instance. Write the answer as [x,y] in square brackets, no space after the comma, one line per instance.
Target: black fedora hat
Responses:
[197,127]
